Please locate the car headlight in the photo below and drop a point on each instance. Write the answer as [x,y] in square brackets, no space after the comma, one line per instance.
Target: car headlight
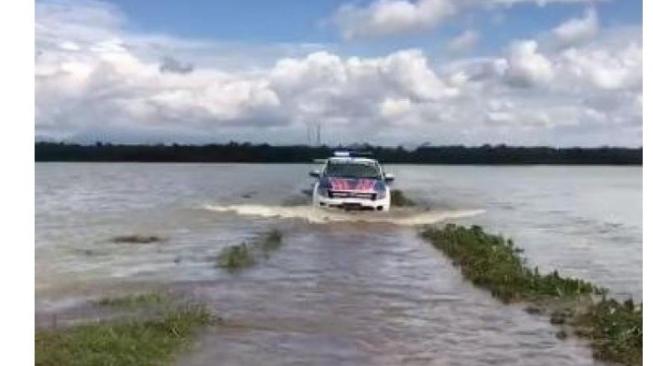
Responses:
[380,194]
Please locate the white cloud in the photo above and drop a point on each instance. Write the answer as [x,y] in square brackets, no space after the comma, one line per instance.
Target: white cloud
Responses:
[95,80]
[384,17]
[577,30]
[394,108]
[527,67]
[605,69]
[389,17]
[323,85]
[464,41]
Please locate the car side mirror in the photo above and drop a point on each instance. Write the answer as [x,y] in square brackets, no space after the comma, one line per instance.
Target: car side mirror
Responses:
[314,173]
[389,177]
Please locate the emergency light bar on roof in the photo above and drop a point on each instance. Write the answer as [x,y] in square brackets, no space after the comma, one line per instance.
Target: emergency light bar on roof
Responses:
[351,154]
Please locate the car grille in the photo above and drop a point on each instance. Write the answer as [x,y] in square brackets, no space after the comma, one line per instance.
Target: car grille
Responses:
[341,194]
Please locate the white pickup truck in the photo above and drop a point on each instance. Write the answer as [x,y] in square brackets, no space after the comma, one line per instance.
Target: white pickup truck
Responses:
[351,182]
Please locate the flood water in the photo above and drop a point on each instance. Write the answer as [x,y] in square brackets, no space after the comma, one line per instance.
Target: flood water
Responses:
[342,289]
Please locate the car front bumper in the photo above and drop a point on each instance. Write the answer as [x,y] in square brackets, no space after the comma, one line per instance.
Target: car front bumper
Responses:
[350,203]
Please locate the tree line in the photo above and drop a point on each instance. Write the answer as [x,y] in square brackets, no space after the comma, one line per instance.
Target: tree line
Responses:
[265,153]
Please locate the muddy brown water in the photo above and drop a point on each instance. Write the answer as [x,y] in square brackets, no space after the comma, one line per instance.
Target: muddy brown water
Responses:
[340,290]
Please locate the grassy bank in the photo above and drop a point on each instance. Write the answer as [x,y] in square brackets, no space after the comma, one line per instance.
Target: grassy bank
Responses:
[495,263]
[134,342]
[614,328]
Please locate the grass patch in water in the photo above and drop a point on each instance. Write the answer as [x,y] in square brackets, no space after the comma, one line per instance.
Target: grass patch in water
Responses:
[133,343]
[494,263]
[271,240]
[152,298]
[136,239]
[236,257]
[398,199]
[614,328]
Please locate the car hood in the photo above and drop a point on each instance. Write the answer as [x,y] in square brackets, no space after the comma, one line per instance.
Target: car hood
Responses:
[352,184]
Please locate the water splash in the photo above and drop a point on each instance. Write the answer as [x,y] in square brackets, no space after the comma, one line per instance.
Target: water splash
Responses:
[397,216]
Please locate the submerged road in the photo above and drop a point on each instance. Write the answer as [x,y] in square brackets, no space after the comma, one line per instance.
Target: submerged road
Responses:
[367,294]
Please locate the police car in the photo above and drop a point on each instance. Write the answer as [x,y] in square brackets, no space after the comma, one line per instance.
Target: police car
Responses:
[351,181]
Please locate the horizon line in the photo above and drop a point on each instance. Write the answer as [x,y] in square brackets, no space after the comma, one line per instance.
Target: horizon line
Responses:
[351,145]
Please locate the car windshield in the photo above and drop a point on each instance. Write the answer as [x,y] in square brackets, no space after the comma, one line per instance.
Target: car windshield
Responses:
[352,170]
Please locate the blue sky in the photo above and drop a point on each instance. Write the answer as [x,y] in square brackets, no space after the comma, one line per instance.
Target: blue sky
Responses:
[384,71]
[303,21]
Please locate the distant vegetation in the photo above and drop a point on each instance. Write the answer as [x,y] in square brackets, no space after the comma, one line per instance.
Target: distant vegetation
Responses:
[494,263]
[264,153]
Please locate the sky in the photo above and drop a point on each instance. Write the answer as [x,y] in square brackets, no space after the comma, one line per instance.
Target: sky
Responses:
[389,72]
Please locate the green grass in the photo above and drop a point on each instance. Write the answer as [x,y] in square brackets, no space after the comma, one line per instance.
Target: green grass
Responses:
[615,330]
[398,199]
[494,263]
[271,240]
[152,298]
[236,257]
[128,343]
